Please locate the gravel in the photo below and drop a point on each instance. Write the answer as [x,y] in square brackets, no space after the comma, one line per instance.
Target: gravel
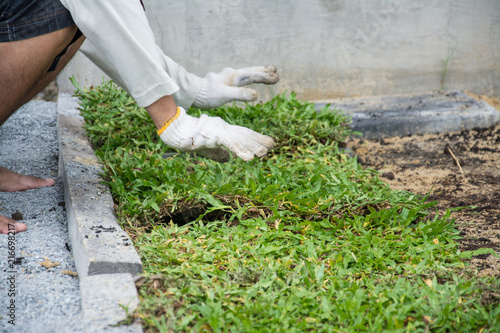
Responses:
[46,298]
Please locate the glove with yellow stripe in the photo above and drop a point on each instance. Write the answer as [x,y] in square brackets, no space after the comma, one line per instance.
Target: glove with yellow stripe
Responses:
[211,136]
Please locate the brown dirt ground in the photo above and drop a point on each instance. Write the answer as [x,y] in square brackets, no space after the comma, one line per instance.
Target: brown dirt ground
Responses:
[427,163]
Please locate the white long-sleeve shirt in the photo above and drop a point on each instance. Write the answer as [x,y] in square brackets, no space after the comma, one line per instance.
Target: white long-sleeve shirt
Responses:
[121,43]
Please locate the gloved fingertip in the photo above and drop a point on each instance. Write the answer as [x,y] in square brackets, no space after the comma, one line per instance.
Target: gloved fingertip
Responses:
[261,153]
[264,140]
[247,157]
[247,95]
[268,142]
[271,68]
[274,78]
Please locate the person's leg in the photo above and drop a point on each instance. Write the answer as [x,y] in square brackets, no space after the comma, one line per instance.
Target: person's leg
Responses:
[24,65]
[23,72]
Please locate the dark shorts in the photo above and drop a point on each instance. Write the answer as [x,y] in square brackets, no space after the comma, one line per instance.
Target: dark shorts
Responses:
[23,19]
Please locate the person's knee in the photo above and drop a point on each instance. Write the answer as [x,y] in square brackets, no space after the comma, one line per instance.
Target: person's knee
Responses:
[29,65]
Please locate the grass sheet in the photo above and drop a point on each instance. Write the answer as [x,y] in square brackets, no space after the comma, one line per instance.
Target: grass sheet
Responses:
[302,240]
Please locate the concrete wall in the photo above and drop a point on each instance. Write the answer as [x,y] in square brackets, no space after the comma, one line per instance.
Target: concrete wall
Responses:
[332,48]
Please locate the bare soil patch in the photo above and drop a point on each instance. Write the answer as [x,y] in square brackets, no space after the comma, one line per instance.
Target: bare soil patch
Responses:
[460,169]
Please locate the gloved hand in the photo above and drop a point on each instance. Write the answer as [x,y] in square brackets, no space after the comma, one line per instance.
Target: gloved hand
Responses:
[220,88]
[208,135]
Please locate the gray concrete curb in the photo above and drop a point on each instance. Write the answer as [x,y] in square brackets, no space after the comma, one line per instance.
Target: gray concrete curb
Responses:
[105,258]
[425,113]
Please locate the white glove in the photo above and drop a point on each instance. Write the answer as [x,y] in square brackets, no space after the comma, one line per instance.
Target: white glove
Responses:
[208,135]
[220,88]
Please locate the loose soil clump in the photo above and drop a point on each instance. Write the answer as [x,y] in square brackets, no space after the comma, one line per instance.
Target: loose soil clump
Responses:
[459,169]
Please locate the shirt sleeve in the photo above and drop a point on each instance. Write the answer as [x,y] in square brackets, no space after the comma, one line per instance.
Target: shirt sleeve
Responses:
[121,43]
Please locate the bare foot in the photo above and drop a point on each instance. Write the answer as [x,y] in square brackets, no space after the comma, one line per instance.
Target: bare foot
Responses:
[8,225]
[11,181]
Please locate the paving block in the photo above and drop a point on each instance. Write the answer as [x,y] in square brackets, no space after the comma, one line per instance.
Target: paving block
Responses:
[99,244]
[402,115]
[107,299]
